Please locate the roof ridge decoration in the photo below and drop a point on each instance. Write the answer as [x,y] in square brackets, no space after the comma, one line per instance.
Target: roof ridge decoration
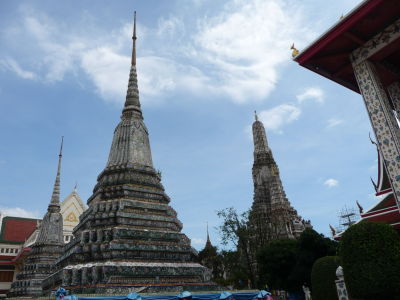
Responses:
[74,194]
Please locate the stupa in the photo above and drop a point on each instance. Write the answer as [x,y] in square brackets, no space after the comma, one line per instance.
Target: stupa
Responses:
[47,248]
[129,237]
[272,216]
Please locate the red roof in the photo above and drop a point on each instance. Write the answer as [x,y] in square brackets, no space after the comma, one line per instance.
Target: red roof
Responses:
[16,230]
[329,55]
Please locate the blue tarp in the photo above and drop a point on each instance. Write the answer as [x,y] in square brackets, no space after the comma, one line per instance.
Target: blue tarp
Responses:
[213,296]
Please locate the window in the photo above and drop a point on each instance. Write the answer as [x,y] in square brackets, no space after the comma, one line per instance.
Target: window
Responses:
[6,276]
[7,250]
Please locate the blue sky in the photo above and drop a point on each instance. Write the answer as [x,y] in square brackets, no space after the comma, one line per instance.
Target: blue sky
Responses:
[204,66]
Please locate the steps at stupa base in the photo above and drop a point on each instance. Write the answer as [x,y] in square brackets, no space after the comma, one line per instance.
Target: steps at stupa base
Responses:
[153,272]
[124,289]
[120,276]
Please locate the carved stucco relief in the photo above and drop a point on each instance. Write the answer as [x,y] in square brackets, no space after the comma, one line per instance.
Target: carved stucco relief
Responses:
[377,104]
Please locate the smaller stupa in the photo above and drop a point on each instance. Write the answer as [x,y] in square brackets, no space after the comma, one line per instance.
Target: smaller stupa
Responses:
[48,247]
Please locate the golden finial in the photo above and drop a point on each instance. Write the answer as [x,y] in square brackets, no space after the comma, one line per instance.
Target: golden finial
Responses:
[341,17]
[295,52]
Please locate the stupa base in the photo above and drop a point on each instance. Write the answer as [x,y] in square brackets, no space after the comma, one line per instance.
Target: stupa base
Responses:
[113,289]
[117,277]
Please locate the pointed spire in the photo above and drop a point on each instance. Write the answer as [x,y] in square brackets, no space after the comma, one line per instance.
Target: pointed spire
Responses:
[208,235]
[255,115]
[55,198]
[131,141]
[259,136]
[208,243]
[132,103]
[133,61]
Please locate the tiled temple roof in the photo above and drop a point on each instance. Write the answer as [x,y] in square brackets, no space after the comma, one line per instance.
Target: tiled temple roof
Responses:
[17,230]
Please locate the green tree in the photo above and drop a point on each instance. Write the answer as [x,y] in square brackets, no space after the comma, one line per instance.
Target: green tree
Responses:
[311,246]
[287,264]
[235,230]
[323,276]
[210,258]
[234,270]
[276,262]
[370,255]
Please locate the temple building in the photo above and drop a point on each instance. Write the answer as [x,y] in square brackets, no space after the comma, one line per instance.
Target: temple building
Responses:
[129,236]
[362,52]
[13,233]
[271,215]
[385,209]
[71,208]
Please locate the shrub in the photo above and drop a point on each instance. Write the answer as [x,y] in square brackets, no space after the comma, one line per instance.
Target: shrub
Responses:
[323,276]
[370,255]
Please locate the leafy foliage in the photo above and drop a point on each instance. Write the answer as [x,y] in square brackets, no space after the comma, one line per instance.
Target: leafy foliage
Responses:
[235,229]
[210,258]
[276,262]
[311,246]
[323,276]
[287,264]
[370,253]
[235,269]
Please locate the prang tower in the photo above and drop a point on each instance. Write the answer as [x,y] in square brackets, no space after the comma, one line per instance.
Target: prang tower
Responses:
[39,264]
[129,236]
[271,214]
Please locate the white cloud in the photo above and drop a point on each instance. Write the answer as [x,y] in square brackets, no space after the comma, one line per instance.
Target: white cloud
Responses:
[331,182]
[334,122]
[18,212]
[108,71]
[58,56]
[275,118]
[160,75]
[246,44]
[11,65]
[311,93]
[226,57]
[170,27]
[197,241]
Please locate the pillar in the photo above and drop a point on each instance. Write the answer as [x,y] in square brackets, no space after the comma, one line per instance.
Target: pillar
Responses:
[67,277]
[382,119]
[341,285]
[394,92]
[75,280]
